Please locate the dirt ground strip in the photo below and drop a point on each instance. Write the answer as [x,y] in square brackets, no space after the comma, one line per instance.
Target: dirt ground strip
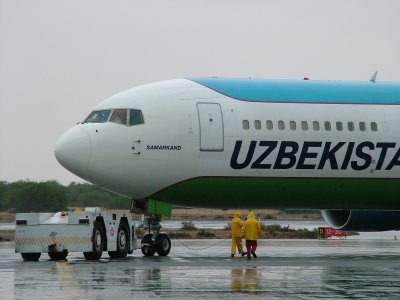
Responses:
[215,214]
[7,235]
[187,214]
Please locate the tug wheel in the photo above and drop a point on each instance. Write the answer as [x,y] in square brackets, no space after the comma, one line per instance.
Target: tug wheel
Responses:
[98,240]
[122,242]
[30,256]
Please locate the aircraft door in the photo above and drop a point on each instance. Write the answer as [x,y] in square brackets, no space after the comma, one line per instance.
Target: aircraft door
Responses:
[211,127]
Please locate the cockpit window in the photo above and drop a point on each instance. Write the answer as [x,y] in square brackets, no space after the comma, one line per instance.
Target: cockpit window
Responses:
[119,116]
[135,117]
[98,116]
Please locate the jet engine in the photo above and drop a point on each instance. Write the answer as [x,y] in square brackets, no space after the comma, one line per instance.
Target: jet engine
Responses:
[363,220]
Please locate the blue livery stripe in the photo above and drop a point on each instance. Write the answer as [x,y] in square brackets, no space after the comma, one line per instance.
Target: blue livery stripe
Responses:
[304,91]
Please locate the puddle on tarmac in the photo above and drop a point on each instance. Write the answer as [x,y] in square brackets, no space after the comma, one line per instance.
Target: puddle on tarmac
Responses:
[341,272]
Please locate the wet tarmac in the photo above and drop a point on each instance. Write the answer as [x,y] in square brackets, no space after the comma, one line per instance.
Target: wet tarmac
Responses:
[284,269]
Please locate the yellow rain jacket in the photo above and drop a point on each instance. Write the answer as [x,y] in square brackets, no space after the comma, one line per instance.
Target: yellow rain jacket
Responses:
[236,225]
[251,229]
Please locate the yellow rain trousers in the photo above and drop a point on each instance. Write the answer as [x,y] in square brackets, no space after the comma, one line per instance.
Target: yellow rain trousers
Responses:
[236,227]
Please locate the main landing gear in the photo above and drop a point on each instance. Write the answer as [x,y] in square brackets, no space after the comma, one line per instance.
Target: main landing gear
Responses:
[154,241]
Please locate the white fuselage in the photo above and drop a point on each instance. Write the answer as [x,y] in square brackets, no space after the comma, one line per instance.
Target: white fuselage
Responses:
[191,131]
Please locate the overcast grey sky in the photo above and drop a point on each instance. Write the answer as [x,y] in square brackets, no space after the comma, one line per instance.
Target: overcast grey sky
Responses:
[58,59]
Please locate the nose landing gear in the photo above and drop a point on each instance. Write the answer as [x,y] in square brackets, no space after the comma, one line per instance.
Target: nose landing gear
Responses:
[154,241]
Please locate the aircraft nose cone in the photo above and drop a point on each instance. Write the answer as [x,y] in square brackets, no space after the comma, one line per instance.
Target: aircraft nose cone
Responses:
[73,151]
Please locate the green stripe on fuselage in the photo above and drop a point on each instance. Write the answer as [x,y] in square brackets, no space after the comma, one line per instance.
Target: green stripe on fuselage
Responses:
[305,193]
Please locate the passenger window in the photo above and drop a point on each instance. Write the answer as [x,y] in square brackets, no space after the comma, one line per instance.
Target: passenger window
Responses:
[281,125]
[362,126]
[339,126]
[135,117]
[374,126]
[350,126]
[119,116]
[98,116]
[246,124]
[292,125]
[304,125]
[257,124]
[316,125]
[327,125]
[270,125]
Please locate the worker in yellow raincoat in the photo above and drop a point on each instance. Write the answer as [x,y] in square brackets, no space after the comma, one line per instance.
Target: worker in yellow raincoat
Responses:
[251,230]
[236,228]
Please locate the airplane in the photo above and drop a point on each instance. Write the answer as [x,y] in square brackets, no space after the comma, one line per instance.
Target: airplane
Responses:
[247,143]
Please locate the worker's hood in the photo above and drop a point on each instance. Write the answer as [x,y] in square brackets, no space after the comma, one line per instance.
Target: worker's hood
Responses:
[236,214]
[251,215]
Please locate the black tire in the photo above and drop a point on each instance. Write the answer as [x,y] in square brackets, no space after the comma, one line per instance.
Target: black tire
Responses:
[148,248]
[88,255]
[122,242]
[31,256]
[163,244]
[58,255]
[113,254]
[98,241]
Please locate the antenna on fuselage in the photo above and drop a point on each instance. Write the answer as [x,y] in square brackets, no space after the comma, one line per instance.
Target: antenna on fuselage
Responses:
[373,78]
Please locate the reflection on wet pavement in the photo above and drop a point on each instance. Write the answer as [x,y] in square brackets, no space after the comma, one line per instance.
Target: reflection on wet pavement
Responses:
[245,281]
[284,270]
